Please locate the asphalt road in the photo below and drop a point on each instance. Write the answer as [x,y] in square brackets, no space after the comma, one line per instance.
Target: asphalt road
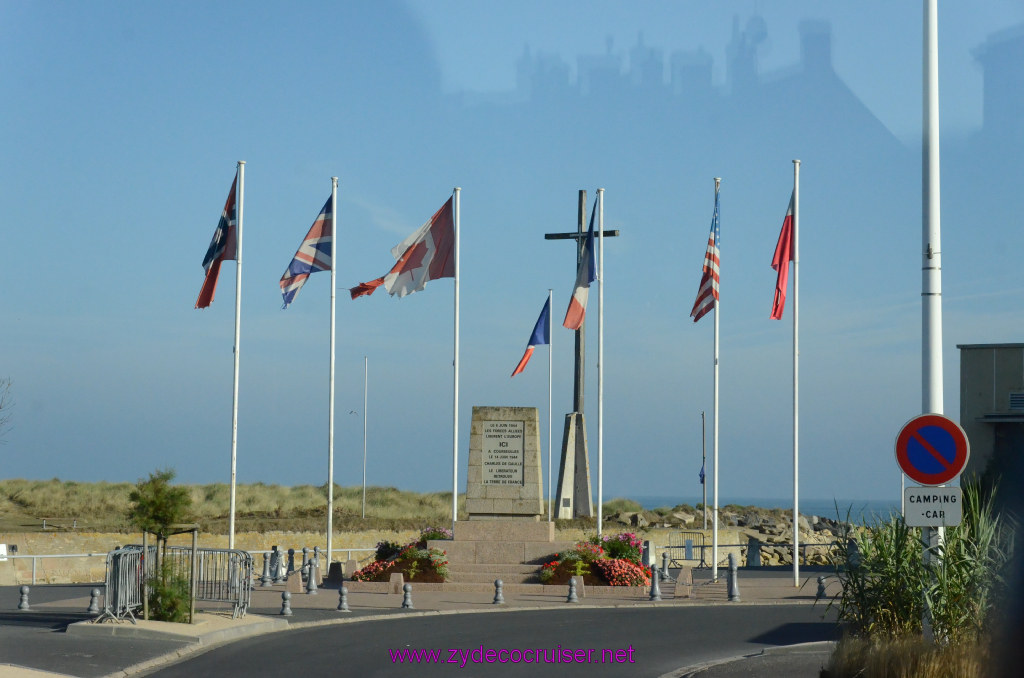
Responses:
[650,641]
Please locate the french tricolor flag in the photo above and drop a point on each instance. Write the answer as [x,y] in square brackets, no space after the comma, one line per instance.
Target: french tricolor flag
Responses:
[541,335]
[586,274]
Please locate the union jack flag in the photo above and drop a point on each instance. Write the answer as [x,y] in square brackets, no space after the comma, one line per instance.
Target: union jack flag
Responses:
[222,247]
[707,295]
[314,254]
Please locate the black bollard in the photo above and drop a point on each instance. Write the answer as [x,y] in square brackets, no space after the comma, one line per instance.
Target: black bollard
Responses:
[94,602]
[286,604]
[821,588]
[23,601]
[407,598]
[572,592]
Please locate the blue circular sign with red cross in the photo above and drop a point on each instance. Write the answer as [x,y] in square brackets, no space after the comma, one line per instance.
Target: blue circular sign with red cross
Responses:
[931,449]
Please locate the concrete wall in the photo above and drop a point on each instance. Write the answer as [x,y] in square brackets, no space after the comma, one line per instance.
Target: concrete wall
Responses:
[988,374]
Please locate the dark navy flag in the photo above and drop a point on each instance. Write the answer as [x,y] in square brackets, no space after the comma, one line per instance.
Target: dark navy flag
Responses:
[702,474]
[314,254]
[541,335]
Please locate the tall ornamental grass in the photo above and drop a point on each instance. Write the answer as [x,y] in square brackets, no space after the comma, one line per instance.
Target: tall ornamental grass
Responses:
[888,586]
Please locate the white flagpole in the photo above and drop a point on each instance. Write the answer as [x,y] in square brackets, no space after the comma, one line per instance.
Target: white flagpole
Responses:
[366,373]
[931,265]
[796,373]
[455,363]
[330,400]
[239,201]
[714,434]
[600,361]
[551,348]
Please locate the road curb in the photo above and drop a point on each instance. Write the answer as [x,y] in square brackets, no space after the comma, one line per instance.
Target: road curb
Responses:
[696,670]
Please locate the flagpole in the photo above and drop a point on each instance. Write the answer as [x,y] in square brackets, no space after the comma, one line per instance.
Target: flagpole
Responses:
[455,363]
[366,372]
[931,264]
[714,435]
[550,338]
[703,474]
[330,400]
[239,201]
[600,361]
[796,373]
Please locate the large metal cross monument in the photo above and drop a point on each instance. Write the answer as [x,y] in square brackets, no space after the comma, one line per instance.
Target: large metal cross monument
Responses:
[573,498]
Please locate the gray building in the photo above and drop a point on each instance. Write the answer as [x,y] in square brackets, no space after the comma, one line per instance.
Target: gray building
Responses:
[992,405]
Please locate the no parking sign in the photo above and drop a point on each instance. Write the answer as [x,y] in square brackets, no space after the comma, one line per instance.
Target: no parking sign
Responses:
[932,449]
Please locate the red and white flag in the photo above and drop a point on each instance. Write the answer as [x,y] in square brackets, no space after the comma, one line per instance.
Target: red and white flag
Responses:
[780,262]
[707,293]
[585,274]
[427,254]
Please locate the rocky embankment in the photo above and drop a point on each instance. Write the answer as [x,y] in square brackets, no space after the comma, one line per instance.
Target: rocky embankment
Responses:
[768,530]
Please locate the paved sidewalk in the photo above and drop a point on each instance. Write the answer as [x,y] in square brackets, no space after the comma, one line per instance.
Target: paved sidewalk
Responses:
[35,640]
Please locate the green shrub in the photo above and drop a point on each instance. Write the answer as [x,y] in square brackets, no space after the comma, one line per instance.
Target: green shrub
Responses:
[168,595]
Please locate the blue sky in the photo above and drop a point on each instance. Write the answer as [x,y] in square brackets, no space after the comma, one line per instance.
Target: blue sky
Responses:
[123,122]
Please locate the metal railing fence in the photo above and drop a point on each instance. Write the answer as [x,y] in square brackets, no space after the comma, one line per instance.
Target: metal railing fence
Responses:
[221,575]
[35,559]
[123,589]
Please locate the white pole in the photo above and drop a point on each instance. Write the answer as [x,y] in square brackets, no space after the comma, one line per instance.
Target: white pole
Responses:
[714,434]
[931,268]
[366,372]
[455,363]
[550,365]
[600,361]
[239,202]
[796,373]
[330,399]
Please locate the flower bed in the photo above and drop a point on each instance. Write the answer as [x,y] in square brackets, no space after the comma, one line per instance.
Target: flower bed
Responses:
[413,561]
[610,561]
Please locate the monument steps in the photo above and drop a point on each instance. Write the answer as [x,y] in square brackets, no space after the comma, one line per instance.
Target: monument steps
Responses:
[508,574]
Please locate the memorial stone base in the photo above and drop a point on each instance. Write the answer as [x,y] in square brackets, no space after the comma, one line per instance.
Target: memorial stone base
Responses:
[500,542]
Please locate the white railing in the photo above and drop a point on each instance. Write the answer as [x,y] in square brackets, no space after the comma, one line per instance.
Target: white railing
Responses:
[35,558]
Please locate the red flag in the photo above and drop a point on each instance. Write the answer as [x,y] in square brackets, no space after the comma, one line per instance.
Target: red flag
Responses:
[427,254]
[223,247]
[780,262]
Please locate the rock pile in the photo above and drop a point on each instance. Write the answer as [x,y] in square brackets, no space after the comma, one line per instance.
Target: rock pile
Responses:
[771,530]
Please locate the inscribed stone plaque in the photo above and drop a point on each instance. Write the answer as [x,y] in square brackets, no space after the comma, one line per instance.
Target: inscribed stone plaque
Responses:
[502,449]
[504,479]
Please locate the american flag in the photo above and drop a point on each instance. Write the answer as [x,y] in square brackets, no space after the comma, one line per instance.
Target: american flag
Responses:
[222,247]
[314,254]
[707,295]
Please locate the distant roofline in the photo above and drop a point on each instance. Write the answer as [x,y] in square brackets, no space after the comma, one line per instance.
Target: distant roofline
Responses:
[963,346]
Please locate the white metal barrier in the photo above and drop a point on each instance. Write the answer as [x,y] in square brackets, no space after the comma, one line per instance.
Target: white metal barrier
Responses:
[36,558]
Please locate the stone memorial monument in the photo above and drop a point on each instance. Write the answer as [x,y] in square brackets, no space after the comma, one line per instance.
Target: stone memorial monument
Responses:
[504,480]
